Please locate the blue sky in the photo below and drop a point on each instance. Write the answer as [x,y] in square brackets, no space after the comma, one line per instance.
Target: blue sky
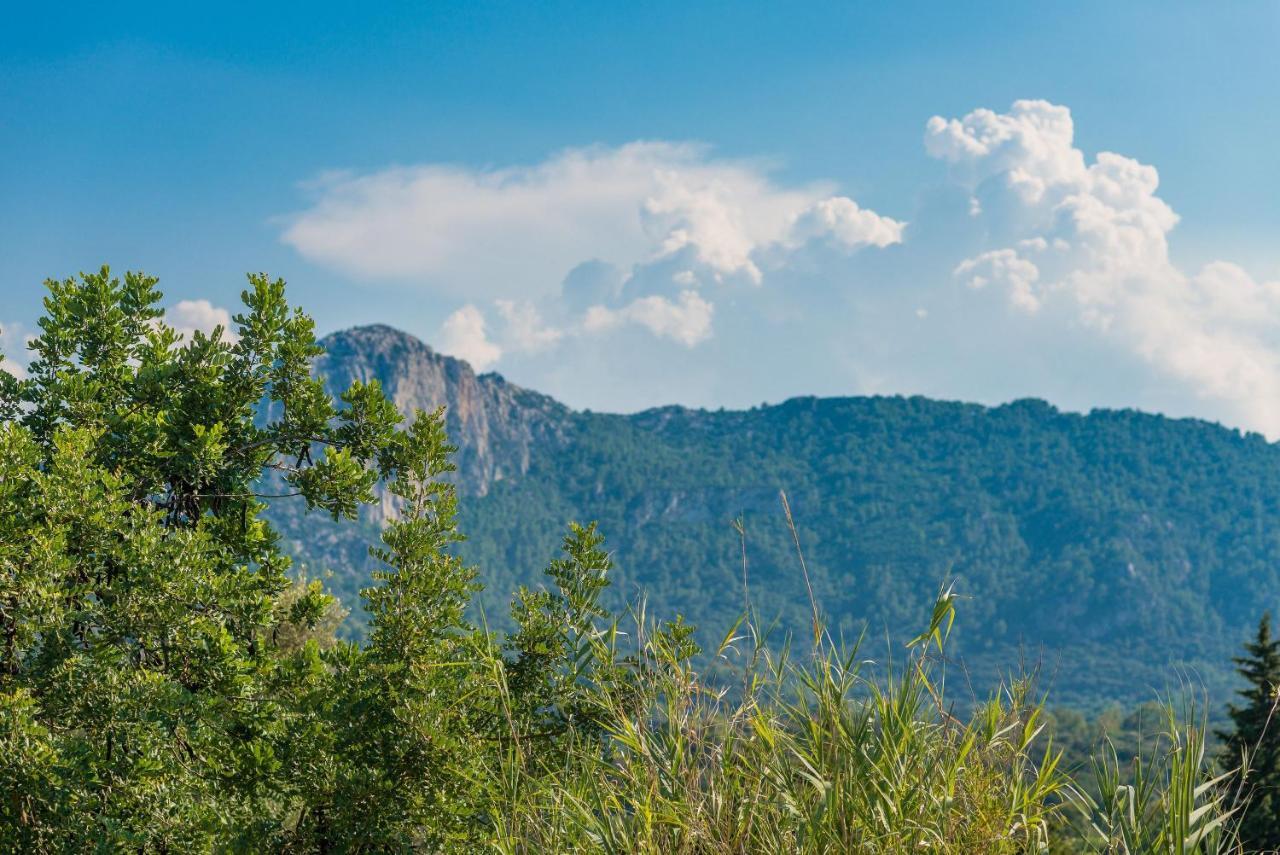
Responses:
[626,206]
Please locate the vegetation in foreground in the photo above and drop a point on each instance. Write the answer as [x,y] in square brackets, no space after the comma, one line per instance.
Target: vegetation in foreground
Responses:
[166,686]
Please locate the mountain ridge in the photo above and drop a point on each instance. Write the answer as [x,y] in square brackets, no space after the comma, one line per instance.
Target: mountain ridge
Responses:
[496,378]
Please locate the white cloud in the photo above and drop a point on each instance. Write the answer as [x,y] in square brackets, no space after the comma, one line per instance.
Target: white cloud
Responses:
[463,335]
[524,330]
[189,316]
[663,218]
[515,233]
[1003,267]
[712,219]
[564,268]
[686,320]
[1218,331]
[14,339]
[840,220]
[1099,235]
[1030,147]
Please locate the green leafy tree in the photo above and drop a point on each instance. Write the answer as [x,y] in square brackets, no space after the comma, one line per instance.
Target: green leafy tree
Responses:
[139,628]
[1255,740]
[396,722]
[165,683]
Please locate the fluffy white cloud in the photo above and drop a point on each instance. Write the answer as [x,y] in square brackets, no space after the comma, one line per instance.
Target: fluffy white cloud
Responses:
[1218,331]
[665,219]
[1003,267]
[515,233]
[712,219]
[463,335]
[1030,147]
[687,319]
[1093,242]
[189,316]
[1034,269]
[840,220]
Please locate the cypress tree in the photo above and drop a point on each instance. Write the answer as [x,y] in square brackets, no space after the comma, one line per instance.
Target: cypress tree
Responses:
[1256,738]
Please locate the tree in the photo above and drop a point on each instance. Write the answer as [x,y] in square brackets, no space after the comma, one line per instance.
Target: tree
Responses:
[140,675]
[1255,740]
[165,685]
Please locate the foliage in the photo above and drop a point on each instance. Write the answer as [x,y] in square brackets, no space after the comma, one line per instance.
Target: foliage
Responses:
[1254,740]
[139,583]
[305,613]
[166,687]
[1167,802]
[808,756]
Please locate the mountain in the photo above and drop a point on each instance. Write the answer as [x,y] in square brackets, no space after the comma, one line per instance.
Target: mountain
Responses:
[1120,552]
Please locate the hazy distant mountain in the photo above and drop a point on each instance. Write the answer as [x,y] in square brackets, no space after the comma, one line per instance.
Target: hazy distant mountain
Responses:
[1123,549]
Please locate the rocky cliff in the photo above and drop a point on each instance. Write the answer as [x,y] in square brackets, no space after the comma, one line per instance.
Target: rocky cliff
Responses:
[494,423]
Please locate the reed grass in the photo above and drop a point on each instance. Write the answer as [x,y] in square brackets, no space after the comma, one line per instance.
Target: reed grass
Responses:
[836,753]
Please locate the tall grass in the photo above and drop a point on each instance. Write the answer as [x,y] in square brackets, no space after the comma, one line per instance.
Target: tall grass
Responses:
[831,753]
[1167,800]
[606,737]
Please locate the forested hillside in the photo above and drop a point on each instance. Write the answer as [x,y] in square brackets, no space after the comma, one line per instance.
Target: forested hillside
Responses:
[1113,548]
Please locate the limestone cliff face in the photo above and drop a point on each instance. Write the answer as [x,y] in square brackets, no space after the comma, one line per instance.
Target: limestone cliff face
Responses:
[495,424]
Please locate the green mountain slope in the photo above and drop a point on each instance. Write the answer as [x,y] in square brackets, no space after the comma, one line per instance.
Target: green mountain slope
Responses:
[1120,551]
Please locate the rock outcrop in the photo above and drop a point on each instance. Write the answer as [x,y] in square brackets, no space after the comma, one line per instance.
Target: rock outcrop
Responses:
[494,423]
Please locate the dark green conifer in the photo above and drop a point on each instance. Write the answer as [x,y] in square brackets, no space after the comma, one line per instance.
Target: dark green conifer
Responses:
[1255,739]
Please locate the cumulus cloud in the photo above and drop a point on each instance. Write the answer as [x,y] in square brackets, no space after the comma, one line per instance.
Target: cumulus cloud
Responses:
[190,316]
[686,320]
[524,330]
[589,240]
[463,335]
[1003,267]
[1029,148]
[840,220]
[1217,330]
[713,220]
[1098,239]
[655,272]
